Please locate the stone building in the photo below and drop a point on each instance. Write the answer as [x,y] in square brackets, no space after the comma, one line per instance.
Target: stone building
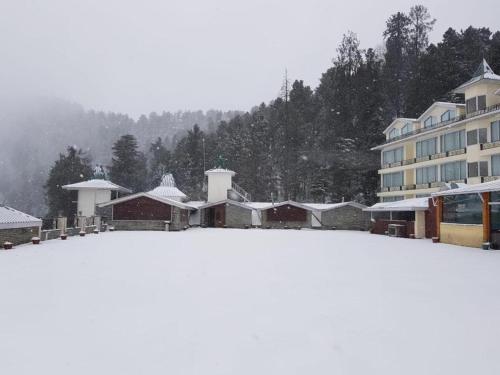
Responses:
[17,227]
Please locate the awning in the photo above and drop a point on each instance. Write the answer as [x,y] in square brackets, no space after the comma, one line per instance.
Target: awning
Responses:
[413,204]
[484,187]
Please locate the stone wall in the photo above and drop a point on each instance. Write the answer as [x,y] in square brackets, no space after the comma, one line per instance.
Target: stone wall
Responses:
[238,217]
[347,218]
[18,235]
[290,224]
[158,225]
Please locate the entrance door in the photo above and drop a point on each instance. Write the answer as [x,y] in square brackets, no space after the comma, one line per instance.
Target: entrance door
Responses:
[220,216]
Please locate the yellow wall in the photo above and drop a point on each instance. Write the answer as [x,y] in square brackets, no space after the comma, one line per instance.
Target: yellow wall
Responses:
[461,234]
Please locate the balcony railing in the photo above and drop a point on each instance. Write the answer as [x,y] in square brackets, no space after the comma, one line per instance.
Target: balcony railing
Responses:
[421,159]
[427,185]
[487,146]
[441,124]
[489,178]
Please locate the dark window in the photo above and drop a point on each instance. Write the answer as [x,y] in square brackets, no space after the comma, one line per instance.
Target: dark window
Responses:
[463,209]
[483,168]
[483,135]
[472,137]
[471,105]
[481,102]
[495,131]
[472,169]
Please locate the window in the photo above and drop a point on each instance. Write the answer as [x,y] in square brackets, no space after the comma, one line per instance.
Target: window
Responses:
[472,137]
[428,122]
[393,179]
[471,105]
[477,103]
[453,141]
[393,133]
[482,135]
[472,169]
[448,115]
[392,199]
[463,209]
[481,102]
[495,165]
[392,156]
[426,175]
[407,128]
[453,171]
[427,147]
[495,210]
[495,131]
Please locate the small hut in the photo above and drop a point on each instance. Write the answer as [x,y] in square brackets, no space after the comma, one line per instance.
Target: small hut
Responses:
[17,227]
[226,214]
[144,211]
[344,215]
[288,214]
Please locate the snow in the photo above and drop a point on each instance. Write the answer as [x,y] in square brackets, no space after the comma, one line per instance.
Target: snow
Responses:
[471,189]
[96,184]
[220,170]
[331,206]
[168,192]
[11,218]
[228,301]
[413,204]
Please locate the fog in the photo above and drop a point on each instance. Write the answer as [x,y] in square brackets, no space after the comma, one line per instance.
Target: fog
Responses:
[137,57]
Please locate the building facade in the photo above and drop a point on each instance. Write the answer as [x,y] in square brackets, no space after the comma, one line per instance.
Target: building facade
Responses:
[448,143]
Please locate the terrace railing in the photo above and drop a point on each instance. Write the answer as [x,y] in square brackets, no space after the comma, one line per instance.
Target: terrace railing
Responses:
[421,159]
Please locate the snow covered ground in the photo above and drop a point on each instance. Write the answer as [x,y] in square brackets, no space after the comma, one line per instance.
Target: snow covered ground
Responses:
[248,302]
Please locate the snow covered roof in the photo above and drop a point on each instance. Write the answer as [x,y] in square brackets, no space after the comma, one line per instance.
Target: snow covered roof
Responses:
[226,201]
[291,203]
[445,105]
[96,184]
[483,72]
[11,218]
[195,204]
[413,204]
[219,170]
[258,205]
[484,187]
[332,206]
[147,195]
[396,120]
[167,188]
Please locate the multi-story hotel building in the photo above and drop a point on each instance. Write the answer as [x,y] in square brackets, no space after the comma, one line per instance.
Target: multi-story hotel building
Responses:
[449,142]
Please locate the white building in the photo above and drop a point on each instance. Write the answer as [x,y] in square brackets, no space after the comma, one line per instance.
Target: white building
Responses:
[93,192]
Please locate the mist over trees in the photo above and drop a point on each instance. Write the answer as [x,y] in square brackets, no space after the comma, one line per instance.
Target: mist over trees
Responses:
[307,144]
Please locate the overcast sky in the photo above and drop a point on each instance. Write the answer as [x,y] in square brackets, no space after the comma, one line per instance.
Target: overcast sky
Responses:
[153,55]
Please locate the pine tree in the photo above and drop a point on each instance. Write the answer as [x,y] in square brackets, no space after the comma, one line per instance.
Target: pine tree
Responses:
[128,165]
[397,37]
[68,169]
[160,162]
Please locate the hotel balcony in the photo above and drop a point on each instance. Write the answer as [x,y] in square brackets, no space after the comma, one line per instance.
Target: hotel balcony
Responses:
[440,155]
[442,124]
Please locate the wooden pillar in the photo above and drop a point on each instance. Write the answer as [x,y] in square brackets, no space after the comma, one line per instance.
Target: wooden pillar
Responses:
[486,217]
[439,215]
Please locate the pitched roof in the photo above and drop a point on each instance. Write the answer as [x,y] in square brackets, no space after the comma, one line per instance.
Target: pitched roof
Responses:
[446,105]
[332,206]
[11,218]
[484,187]
[226,201]
[413,204]
[147,195]
[97,184]
[483,72]
[291,203]
[397,120]
[167,188]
